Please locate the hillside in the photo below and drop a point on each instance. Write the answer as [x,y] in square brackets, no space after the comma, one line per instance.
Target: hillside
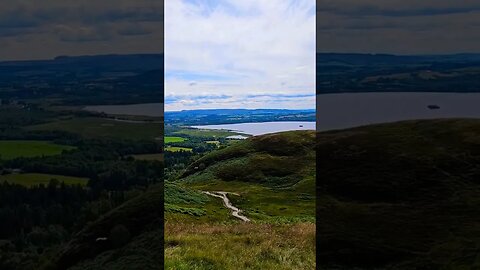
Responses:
[400,196]
[131,237]
[275,160]
[271,178]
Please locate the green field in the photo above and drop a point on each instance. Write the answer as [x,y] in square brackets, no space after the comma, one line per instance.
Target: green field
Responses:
[158,157]
[33,179]
[91,127]
[172,139]
[177,149]
[15,149]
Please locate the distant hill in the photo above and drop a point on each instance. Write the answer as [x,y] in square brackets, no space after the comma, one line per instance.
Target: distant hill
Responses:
[349,72]
[85,80]
[117,62]
[225,116]
[391,59]
[399,196]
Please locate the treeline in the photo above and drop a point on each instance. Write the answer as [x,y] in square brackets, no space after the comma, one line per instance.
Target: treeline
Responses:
[176,162]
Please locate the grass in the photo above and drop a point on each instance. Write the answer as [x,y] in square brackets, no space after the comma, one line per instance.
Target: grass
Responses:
[92,127]
[277,160]
[34,179]
[158,157]
[239,246]
[16,149]
[173,139]
[262,204]
[178,149]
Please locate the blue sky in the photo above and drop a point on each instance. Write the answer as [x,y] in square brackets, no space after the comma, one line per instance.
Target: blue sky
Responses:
[239,54]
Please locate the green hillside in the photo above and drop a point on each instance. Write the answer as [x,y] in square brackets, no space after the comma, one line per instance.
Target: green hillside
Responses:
[275,160]
[400,196]
[273,174]
[271,178]
[131,237]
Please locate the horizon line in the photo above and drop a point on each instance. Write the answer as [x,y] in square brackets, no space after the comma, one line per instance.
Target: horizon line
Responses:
[272,109]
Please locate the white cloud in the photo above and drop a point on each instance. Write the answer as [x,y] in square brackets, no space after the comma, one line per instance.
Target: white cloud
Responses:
[239,47]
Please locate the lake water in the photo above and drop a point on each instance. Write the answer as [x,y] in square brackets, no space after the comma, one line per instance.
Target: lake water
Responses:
[261,127]
[146,109]
[339,111]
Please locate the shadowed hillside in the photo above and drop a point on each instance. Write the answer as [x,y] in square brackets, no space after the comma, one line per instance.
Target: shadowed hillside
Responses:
[400,196]
[128,237]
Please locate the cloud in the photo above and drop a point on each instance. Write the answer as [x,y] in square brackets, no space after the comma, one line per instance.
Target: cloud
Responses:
[398,26]
[238,47]
[44,29]
[396,7]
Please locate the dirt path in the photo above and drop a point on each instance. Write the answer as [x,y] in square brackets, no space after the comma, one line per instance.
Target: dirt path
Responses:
[228,204]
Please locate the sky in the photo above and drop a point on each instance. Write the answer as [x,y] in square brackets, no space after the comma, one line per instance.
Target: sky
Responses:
[33,29]
[398,26]
[239,54]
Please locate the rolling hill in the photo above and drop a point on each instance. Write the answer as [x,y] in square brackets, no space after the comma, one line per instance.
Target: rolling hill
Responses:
[400,196]
[276,160]
[128,237]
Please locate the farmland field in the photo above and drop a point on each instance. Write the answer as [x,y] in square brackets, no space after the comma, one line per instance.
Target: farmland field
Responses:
[91,127]
[33,179]
[178,149]
[172,139]
[15,149]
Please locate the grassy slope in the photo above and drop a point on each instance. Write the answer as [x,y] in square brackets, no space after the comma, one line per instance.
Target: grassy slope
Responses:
[274,176]
[13,149]
[400,196]
[142,216]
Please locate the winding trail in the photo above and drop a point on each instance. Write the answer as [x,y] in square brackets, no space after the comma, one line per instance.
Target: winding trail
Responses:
[227,203]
